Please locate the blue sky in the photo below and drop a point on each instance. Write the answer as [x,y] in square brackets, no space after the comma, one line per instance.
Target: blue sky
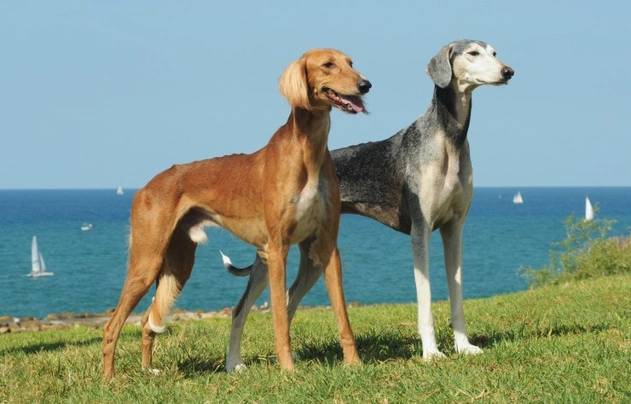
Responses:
[101,94]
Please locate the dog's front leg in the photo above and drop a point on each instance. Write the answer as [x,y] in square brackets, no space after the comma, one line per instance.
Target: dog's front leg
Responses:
[452,245]
[333,278]
[308,275]
[277,262]
[420,248]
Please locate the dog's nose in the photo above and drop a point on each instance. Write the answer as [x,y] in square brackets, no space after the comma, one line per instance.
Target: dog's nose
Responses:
[507,72]
[364,86]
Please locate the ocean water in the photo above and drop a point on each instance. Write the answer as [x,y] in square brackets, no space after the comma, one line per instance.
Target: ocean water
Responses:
[90,266]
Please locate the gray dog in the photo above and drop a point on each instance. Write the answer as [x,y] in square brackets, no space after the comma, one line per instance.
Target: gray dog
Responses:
[415,182]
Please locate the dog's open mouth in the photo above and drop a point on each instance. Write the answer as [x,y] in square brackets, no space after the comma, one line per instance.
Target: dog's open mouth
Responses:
[347,103]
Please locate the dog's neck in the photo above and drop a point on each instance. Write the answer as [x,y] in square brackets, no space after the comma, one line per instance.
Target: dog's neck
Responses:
[311,129]
[452,110]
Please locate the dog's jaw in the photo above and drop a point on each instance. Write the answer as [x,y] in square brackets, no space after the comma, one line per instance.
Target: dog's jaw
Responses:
[351,104]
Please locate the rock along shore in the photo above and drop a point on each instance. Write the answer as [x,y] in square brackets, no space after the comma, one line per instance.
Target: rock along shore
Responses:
[60,321]
[10,324]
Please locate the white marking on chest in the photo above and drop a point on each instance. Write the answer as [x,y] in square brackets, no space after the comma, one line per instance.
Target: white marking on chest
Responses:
[446,186]
[310,207]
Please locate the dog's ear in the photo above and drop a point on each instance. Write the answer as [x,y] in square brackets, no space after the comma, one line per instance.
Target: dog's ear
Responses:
[439,68]
[293,84]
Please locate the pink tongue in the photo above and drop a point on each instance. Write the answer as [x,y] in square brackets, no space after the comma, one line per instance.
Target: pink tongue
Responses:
[354,102]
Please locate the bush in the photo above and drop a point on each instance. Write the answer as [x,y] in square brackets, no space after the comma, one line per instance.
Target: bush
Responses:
[586,252]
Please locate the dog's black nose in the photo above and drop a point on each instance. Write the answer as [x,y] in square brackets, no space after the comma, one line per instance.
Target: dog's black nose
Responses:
[364,86]
[507,72]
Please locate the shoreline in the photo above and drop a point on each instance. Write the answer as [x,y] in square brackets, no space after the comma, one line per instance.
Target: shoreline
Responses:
[61,321]
[9,324]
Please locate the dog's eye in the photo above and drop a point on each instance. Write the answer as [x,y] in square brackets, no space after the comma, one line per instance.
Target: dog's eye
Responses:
[474,53]
[494,54]
[350,63]
[329,65]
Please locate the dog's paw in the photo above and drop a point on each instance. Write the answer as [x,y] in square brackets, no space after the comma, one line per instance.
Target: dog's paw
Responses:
[236,367]
[469,350]
[240,368]
[155,372]
[433,356]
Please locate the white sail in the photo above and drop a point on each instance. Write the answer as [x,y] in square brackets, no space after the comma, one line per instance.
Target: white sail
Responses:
[119,190]
[38,266]
[589,210]
[517,199]
[42,264]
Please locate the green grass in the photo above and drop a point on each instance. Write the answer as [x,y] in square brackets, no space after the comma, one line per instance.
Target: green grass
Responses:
[568,343]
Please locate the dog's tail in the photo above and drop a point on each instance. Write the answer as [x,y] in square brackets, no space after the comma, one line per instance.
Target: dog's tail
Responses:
[234,270]
[167,291]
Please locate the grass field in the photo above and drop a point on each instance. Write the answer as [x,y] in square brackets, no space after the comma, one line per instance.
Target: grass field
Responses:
[568,343]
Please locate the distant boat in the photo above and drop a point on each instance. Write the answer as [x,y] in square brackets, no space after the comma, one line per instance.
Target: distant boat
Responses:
[37,260]
[119,190]
[86,226]
[517,199]
[589,210]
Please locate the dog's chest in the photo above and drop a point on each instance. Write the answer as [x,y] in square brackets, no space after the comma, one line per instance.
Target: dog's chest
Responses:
[446,188]
[310,205]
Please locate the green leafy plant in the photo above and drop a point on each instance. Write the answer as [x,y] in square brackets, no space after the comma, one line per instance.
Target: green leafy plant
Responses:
[586,252]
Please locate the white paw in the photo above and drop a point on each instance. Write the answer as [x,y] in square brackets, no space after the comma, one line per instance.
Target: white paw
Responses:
[469,350]
[430,356]
[155,372]
[240,368]
[237,367]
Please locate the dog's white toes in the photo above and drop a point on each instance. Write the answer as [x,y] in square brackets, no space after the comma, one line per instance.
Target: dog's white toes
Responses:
[238,367]
[155,372]
[470,350]
[433,356]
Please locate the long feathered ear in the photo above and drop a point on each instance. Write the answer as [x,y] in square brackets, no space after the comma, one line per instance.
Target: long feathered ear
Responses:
[439,68]
[293,85]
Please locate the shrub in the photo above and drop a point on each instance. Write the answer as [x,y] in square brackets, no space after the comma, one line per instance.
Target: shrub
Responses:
[586,252]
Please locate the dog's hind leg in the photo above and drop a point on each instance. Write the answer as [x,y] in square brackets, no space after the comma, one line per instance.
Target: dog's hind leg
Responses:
[143,271]
[420,249]
[256,284]
[173,275]
[308,275]
[452,244]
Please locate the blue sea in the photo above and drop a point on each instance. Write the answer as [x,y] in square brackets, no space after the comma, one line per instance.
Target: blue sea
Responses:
[90,266]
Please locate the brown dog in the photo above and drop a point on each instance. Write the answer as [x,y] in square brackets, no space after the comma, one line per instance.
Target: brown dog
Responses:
[283,194]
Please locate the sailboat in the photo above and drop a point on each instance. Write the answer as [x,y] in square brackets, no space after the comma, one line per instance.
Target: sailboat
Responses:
[119,190]
[37,261]
[517,199]
[589,210]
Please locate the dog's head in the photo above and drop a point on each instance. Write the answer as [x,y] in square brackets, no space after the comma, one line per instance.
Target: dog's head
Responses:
[470,64]
[322,79]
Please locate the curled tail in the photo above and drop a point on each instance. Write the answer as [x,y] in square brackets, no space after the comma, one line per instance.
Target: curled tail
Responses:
[234,270]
